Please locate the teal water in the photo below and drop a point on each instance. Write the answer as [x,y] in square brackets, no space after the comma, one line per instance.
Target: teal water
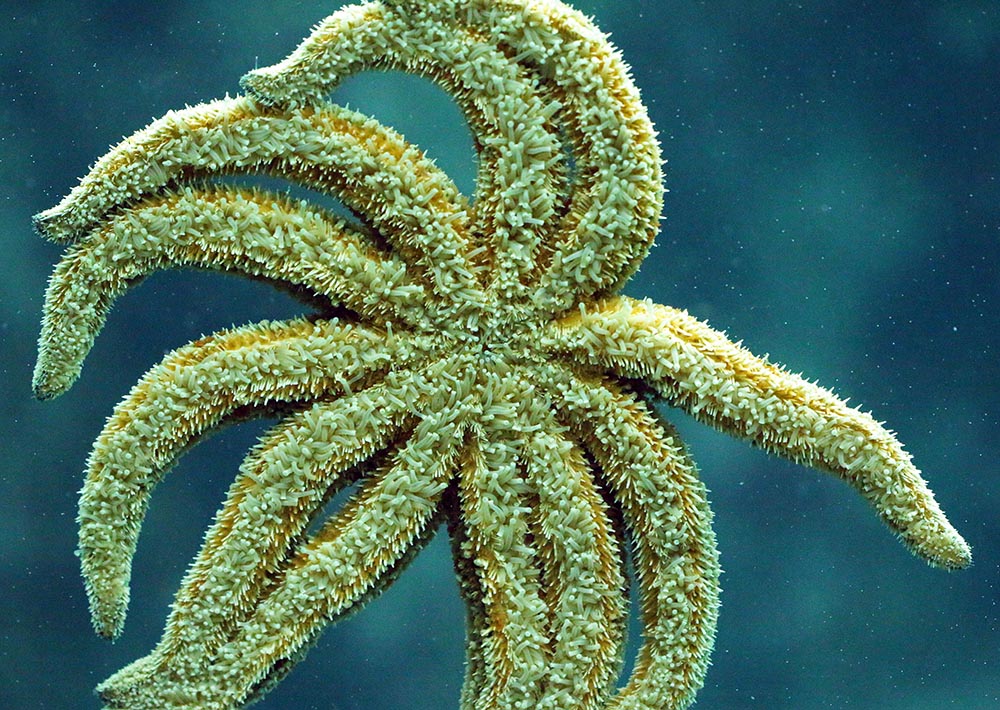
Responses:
[834,176]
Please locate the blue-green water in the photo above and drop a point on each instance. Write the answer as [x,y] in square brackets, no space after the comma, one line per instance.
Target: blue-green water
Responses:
[834,175]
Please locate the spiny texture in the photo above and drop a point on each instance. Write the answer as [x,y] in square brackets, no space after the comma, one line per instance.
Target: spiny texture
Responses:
[467,363]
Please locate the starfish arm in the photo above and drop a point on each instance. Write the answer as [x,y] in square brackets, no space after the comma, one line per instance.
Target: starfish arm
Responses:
[666,511]
[583,582]
[373,169]
[254,233]
[521,162]
[230,642]
[613,215]
[193,391]
[495,509]
[292,473]
[538,558]
[477,619]
[721,383]
[546,617]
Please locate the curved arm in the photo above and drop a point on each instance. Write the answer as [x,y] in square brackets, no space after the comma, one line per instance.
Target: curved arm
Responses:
[582,561]
[719,382]
[664,504]
[228,229]
[614,213]
[226,640]
[606,225]
[495,513]
[412,203]
[192,392]
[521,163]
[538,559]
[282,485]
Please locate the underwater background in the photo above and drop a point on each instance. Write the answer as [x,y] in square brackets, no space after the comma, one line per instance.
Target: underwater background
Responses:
[834,176]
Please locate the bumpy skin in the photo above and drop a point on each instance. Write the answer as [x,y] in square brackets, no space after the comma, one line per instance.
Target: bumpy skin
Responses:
[467,363]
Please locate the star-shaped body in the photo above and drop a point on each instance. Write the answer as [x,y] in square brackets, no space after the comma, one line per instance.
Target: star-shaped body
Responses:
[467,362]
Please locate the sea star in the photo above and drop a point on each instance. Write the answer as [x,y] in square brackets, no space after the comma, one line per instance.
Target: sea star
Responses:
[467,362]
